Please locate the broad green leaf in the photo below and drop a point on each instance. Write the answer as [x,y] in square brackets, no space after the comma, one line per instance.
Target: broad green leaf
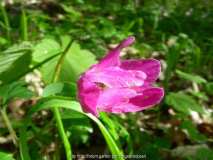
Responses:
[67,89]
[13,90]
[204,154]
[25,46]
[50,102]
[76,61]
[183,102]
[209,88]
[5,156]
[190,128]
[196,79]
[15,62]
[45,49]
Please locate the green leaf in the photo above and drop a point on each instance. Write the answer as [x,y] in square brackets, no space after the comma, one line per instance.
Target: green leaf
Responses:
[196,79]
[148,151]
[110,127]
[67,89]
[209,88]
[201,138]
[13,90]
[161,142]
[204,154]
[71,11]
[183,102]
[190,128]
[3,41]
[73,118]
[5,156]
[180,115]
[15,63]
[125,135]
[78,124]
[50,102]
[200,95]
[76,61]
[80,136]
[45,49]
[24,46]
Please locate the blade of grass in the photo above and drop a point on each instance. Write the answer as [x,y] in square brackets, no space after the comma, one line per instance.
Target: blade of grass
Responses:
[24,26]
[111,128]
[7,24]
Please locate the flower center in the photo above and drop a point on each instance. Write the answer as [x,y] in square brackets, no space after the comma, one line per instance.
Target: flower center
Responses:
[102,85]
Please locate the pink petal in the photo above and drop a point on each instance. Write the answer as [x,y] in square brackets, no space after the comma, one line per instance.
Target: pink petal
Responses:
[151,67]
[150,97]
[110,98]
[88,94]
[115,77]
[112,58]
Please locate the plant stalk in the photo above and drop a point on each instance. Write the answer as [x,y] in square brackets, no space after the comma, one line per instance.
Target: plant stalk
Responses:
[56,110]
[7,24]
[9,126]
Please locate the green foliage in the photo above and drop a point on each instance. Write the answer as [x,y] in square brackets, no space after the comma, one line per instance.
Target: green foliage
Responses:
[76,61]
[61,88]
[78,125]
[125,135]
[196,79]
[209,88]
[162,142]
[204,154]
[13,90]
[190,128]
[15,62]
[24,26]
[183,41]
[150,151]
[50,102]
[183,102]
[5,156]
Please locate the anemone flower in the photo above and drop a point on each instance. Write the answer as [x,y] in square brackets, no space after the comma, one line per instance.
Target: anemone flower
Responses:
[119,86]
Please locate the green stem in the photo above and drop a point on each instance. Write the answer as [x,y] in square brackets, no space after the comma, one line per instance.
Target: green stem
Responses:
[24,26]
[7,24]
[60,126]
[9,126]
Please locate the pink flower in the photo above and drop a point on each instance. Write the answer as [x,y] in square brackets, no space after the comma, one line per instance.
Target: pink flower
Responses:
[119,86]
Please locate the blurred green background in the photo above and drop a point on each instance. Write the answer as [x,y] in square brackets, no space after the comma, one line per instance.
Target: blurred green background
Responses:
[178,33]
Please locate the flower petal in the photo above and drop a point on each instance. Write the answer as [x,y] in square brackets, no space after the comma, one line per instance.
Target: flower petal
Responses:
[88,94]
[110,98]
[112,58]
[115,77]
[150,97]
[151,67]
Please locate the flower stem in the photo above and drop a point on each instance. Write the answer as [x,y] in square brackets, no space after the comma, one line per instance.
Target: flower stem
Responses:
[9,126]
[60,126]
